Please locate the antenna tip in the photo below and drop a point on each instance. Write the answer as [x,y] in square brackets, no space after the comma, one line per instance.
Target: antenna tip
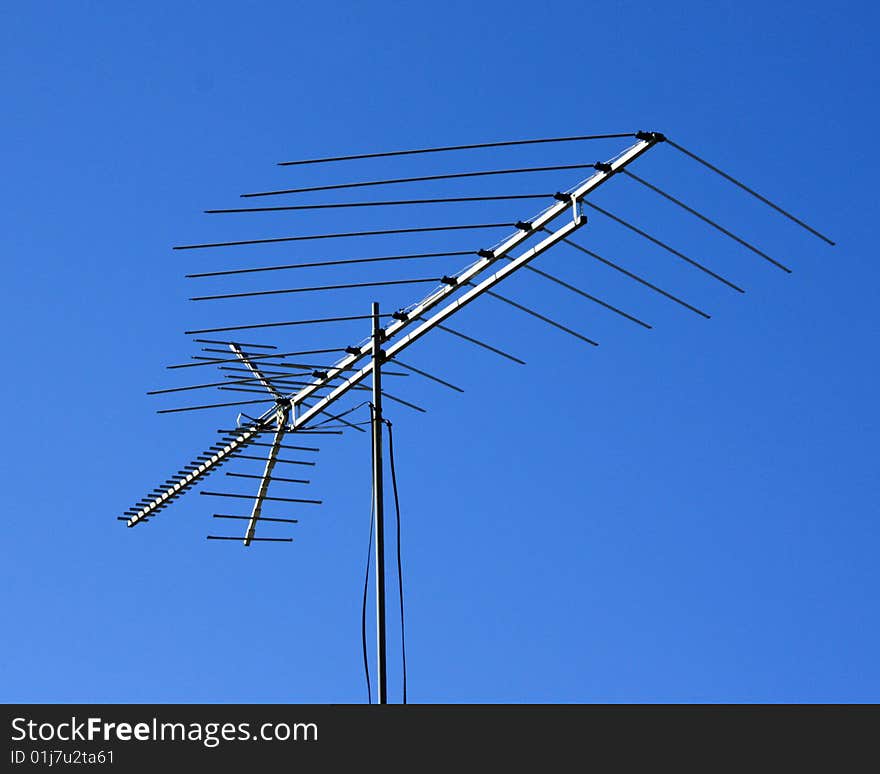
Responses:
[651,136]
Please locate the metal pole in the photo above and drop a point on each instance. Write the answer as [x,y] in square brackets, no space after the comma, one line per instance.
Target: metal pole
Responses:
[379,506]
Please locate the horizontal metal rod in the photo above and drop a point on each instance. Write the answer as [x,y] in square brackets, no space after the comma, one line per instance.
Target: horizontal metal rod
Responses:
[316,321]
[217,360]
[666,247]
[274,478]
[289,375]
[214,405]
[277,374]
[403,402]
[636,277]
[327,386]
[299,431]
[745,188]
[287,462]
[251,497]
[280,354]
[386,203]
[285,384]
[206,385]
[340,235]
[237,343]
[260,518]
[340,262]
[305,365]
[446,148]
[355,425]
[274,377]
[260,392]
[421,179]
[541,317]
[220,361]
[479,343]
[253,539]
[706,220]
[220,366]
[427,375]
[292,379]
[588,296]
[345,286]
[287,446]
[236,431]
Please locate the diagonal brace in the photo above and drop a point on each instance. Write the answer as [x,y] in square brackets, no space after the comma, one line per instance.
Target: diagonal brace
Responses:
[256,371]
[283,411]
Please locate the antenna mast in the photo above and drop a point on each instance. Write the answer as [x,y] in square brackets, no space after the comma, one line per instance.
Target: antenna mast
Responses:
[379,505]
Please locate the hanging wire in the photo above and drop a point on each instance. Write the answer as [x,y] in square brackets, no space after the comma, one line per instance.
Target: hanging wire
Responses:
[367,581]
[399,563]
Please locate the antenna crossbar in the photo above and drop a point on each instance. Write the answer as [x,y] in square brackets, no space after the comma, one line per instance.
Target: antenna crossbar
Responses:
[446,291]
[415,323]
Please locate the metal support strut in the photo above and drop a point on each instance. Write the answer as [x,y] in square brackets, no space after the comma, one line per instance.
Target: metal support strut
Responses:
[378,505]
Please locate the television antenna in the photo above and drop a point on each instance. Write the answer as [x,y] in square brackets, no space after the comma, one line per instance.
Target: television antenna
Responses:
[303,390]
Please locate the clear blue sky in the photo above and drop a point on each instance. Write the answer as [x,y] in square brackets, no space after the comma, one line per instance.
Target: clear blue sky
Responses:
[682,514]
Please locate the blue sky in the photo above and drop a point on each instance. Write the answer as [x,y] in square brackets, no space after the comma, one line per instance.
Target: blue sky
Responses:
[687,513]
